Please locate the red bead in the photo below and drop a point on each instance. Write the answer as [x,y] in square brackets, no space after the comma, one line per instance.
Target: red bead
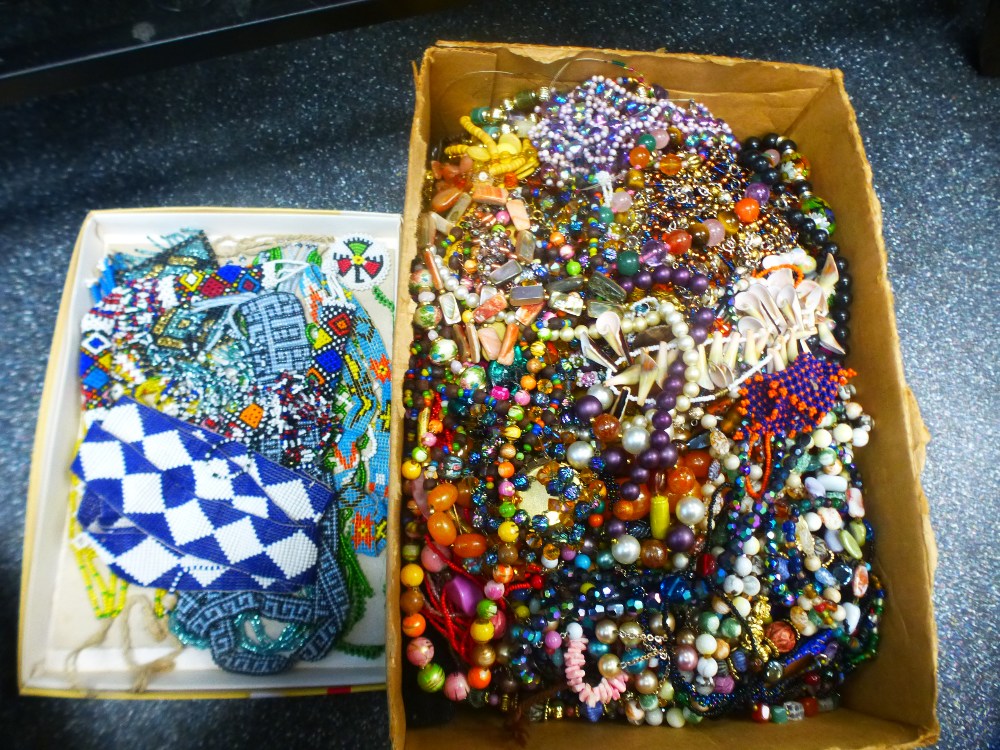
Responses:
[678,242]
[537,581]
[811,679]
[747,210]
[707,565]
[761,713]
[810,705]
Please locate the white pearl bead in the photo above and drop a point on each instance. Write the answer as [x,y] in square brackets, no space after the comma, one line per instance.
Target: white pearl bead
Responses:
[625,549]
[472,300]
[813,521]
[680,561]
[567,334]
[813,563]
[679,329]
[690,510]
[693,372]
[751,546]
[860,437]
[733,585]
[627,325]
[853,410]
[602,394]
[742,566]
[675,717]
[685,342]
[639,325]
[451,284]
[574,631]
[731,462]
[756,472]
[582,332]
[683,403]
[594,333]
[709,421]
[691,357]
[653,318]
[635,440]
[691,390]
[640,420]
[579,454]
[674,317]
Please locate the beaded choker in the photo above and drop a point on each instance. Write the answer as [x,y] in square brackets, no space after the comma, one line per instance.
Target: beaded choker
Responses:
[629,430]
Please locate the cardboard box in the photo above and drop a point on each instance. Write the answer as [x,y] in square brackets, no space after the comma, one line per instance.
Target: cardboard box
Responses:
[56,616]
[889,702]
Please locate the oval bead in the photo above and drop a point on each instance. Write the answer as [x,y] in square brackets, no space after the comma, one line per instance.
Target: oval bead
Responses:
[469,545]
[442,497]
[441,528]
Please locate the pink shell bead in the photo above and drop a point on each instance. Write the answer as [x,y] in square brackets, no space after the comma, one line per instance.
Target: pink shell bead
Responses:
[420,652]
[493,590]
[456,687]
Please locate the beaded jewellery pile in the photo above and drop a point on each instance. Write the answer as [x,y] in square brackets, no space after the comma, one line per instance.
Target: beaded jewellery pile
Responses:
[235,455]
[629,478]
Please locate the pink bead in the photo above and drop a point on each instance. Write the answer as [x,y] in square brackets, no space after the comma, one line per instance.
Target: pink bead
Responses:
[621,202]
[420,652]
[522,398]
[553,640]
[500,393]
[456,687]
[566,252]
[773,157]
[662,137]
[431,560]
[568,553]
[429,439]
[687,658]
[724,684]
[499,624]
[503,217]
[493,590]
[716,232]
[506,488]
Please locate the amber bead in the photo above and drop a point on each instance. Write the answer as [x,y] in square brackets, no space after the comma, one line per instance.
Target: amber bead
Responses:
[557,239]
[411,601]
[464,497]
[680,480]
[699,463]
[729,222]
[635,179]
[442,497]
[671,164]
[639,157]
[469,545]
[535,365]
[633,510]
[653,553]
[699,234]
[507,553]
[747,210]
[607,428]
[442,529]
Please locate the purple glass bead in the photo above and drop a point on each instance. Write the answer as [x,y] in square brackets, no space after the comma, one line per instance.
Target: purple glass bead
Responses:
[698,283]
[615,527]
[643,280]
[758,191]
[629,491]
[699,334]
[614,459]
[650,458]
[663,274]
[639,475]
[662,420]
[681,276]
[668,455]
[588,407]
[666,400]
[680,538]
[653,253]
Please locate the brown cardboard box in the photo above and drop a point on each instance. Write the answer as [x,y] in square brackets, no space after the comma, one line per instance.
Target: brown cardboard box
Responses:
[887,703]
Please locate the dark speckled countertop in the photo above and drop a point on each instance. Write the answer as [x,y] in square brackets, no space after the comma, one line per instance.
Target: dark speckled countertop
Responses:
[324,123]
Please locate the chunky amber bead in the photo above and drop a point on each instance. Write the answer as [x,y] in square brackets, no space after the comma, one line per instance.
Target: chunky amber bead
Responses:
[653,553]
[729,222]
[680,480]
[442,529]
[442,497]
[699,463]
[469,545]
[607,428]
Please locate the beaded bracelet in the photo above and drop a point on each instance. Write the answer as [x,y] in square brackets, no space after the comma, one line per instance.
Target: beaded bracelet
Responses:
[629,434]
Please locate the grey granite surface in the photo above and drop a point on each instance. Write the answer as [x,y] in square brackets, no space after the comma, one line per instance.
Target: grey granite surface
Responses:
[324,122]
